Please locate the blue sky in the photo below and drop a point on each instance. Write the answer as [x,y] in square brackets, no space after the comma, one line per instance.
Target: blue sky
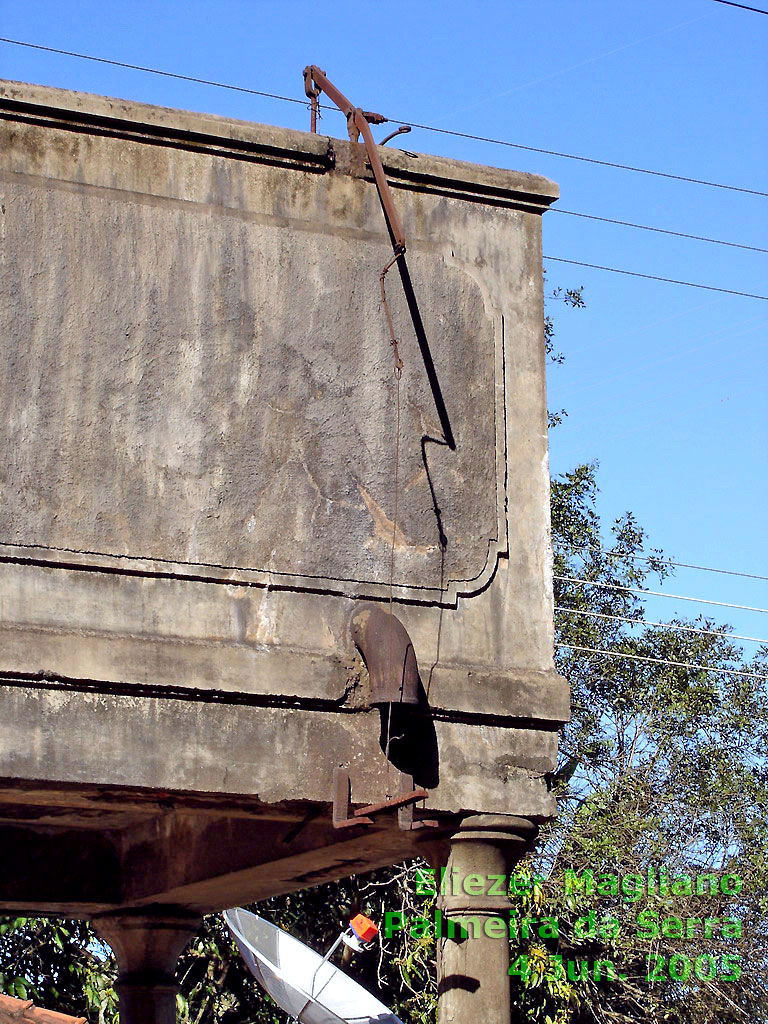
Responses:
[666,386]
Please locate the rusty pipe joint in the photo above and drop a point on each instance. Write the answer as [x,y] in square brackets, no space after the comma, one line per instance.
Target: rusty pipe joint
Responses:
[388,653]
[358,123]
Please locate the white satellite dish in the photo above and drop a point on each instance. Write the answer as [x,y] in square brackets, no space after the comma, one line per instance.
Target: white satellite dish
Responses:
[302,982]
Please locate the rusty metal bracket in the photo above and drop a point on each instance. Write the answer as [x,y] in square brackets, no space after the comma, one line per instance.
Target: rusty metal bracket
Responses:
[342,793]
[344,817]
[358,123]
[406,819]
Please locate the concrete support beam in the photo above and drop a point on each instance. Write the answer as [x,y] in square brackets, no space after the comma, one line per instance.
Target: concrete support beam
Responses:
[147,946]
[87,867]
[473,971]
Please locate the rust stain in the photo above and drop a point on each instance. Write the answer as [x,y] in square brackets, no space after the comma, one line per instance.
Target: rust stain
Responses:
[383,527]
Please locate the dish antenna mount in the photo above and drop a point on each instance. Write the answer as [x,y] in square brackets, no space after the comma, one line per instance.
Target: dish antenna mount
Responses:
[303,983]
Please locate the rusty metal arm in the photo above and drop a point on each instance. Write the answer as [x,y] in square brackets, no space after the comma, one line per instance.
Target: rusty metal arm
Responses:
[358,123]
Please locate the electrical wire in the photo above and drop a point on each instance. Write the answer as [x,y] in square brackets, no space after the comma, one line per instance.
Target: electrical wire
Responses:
[444,131]
[661,231]
[730,3]
[413,124]
[153,71]
[663,661]
[669,561]
[664,625]
[655,277]
[584,159]
[657,593]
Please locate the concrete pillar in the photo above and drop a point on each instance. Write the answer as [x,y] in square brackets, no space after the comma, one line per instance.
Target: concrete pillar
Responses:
[147,945]
[473,971]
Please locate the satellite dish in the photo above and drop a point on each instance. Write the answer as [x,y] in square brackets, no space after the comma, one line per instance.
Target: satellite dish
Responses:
[302,982]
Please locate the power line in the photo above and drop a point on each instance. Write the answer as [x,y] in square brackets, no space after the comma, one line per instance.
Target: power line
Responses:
[655,277]
[661,231]
[153,71]
[657,593]
[444,131]
[668,561]
[663,661]
[729,3]
[585,159]
[413,124]
[664,625]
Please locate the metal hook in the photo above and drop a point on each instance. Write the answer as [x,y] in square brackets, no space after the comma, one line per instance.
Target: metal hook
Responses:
[400,131]
[312,91]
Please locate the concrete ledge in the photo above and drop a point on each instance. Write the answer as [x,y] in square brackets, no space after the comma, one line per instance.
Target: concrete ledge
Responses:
[239,673]
[241,139]
[269,753]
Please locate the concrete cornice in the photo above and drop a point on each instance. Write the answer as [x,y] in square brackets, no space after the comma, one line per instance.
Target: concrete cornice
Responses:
[154,125]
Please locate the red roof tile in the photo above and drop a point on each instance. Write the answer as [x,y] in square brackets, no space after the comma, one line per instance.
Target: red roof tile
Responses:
[23,1011]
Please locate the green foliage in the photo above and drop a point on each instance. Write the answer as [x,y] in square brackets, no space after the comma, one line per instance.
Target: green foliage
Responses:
[59,964]
[574,298]
[660,765]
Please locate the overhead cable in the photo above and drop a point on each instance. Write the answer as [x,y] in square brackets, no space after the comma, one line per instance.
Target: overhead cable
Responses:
[585,159]
[666,561]
[663,625]
[656,593]
[663,661]
[730,3]
[661,231]
[413,124]
[593,266]
[655,277]
[154,71]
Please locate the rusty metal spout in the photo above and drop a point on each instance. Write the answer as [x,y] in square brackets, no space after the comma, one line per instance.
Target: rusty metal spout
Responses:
[388,652]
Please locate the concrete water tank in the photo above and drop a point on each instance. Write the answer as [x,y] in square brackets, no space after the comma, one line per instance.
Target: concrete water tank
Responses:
[228,533]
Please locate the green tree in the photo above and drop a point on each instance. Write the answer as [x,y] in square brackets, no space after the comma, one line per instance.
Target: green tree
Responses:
[59,964]
[662,765]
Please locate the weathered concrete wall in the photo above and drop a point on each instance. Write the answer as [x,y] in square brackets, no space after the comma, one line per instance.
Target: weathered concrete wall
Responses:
[198,423]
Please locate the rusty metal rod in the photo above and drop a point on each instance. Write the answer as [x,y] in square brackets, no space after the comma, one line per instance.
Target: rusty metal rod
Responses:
[399,131]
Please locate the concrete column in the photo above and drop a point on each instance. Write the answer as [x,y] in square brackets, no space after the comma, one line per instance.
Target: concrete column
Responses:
[147,945]
[473,971]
